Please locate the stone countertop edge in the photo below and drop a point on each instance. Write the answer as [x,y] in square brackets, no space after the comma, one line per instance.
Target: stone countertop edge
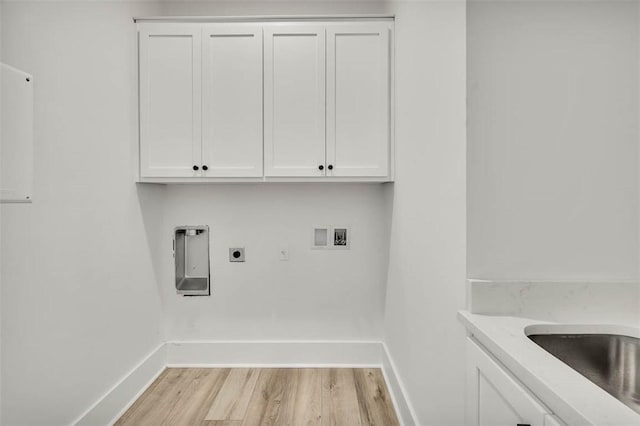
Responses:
[569,395]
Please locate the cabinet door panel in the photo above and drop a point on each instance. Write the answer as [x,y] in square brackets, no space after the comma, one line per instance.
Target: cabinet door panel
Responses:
[358,99]
[551,420]
[232,101]
[494,397]
[494,409]
[294,108]
[170,101]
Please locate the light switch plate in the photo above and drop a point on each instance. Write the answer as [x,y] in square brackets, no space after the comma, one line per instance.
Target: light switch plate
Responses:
[284,253]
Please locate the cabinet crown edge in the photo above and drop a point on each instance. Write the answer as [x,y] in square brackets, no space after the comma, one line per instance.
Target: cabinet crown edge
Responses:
[263,18]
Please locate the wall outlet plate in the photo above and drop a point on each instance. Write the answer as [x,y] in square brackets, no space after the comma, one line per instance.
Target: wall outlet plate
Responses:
[236,254]
[340,237]
[331,237]
[320,237]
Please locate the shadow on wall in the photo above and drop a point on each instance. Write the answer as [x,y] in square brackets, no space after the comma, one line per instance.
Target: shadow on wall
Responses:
[151,199]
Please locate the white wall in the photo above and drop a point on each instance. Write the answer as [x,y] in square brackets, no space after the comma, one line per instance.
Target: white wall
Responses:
[80,305]
[274,7]
[427,262]
[553,140]
[315,295]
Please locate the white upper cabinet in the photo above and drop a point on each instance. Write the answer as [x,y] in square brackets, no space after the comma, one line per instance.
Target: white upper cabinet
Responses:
[358,119]
[170,100]
[232,101]
[265,101]
[294,101]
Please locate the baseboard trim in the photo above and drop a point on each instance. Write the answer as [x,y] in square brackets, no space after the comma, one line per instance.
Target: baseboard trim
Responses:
[109,408]
[401,402]
[257,354]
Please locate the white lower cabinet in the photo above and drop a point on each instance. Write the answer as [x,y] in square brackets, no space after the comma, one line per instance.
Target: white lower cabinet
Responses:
[496,398]
[551,420]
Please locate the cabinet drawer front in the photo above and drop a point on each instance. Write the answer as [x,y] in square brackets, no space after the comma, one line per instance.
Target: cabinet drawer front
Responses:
[294,106]
[170,100]
[232,100]
[494,396]
[358,99]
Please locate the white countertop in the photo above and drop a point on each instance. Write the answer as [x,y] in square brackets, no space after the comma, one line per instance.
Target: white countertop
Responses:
[572,397]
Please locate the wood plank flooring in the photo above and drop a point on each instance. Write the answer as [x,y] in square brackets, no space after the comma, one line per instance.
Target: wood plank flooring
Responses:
[264,396]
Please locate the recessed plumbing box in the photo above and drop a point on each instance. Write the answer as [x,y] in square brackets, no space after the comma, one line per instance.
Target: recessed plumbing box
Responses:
[331,237]
[191,254]
[236,254]
[341,236]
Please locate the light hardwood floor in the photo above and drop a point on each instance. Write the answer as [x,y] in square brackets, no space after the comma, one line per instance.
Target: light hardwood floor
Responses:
[279,396]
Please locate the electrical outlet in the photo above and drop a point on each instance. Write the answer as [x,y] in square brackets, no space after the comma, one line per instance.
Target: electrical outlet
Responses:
[236,254]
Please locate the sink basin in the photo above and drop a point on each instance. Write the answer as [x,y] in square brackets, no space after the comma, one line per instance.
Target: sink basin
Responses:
[611,361]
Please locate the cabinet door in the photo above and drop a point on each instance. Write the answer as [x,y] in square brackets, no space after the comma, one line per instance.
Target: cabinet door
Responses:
[551,420]
[232,101]
[494,397]
[358,99]
[294,105]
[170,100]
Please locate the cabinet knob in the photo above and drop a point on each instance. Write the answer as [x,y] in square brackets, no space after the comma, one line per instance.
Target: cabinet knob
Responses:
[205,167]
[330,167]
[320,167]
[195,167]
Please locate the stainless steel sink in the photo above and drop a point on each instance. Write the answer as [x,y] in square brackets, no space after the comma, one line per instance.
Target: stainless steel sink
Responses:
[610,361]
